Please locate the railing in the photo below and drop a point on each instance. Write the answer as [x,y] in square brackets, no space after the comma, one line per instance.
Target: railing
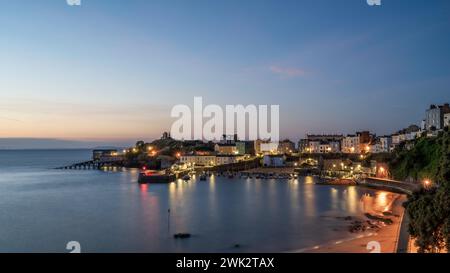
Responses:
[403,187]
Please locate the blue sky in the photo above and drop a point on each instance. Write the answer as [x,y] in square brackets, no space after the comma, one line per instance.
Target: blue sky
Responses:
[111,70]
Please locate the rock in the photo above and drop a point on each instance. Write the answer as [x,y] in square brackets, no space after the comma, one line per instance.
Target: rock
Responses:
[182,235]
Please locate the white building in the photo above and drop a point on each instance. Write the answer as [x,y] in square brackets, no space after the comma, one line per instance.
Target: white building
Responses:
[350,144]
[314,146]
[385,144]
[209,160]
[329,147]
[269,148]
[435,116]
[447,120]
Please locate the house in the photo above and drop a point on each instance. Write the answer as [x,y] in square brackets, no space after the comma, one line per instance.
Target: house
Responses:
[385,144]
[303,145]
[199,160]
[210,160]
[274,161]
[434,118]
[350,144]
[258,143]
[286,147]
[320,144]
[226,148]
[269,148]
[358,143]
[447,120]
[245,147]
[105,155]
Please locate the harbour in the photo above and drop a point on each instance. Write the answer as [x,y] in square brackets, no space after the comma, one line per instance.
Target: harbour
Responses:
[220,213]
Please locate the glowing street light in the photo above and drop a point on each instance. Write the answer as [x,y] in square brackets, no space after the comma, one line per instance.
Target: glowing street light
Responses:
[427,183]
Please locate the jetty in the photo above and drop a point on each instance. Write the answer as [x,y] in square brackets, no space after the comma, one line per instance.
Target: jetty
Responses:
[92,165]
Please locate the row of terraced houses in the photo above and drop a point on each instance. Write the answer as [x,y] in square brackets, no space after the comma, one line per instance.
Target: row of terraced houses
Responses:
[436,119]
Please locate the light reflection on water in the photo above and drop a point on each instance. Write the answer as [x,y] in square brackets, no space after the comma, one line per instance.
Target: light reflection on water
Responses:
[43,209]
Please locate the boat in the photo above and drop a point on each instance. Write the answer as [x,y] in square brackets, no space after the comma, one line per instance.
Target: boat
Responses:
[203,177]
[187,177]
[149,177]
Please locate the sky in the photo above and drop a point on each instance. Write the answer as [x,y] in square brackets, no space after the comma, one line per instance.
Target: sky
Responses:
[110,71]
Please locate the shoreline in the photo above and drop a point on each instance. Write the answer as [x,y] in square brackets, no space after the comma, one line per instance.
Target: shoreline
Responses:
[387,236]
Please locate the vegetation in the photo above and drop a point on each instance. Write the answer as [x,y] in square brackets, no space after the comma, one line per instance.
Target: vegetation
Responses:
[417,160]
[152,154]
[428,209]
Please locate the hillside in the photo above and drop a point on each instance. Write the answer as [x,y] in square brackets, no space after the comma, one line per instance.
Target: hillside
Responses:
[420,161]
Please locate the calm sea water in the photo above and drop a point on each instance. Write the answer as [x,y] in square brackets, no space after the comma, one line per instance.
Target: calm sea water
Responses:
[41,209]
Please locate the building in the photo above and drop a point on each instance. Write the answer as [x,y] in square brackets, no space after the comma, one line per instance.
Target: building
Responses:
[350,144]
[209,160]
[199,160]
[385,144]
[395,139]
[314,146]
[337,138]
[358,143]
[447,120]
[434,118]
[227,159]
[258,143]
[410,133]
[274,161]
[320,144]
[269,148]
[105,154]
[286,147]
[303,145]
[245,147]
[226,148]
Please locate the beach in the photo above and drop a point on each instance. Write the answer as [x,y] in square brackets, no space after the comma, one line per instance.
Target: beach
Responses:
[383,240]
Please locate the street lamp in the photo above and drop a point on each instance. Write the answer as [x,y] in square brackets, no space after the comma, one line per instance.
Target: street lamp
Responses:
[427,183]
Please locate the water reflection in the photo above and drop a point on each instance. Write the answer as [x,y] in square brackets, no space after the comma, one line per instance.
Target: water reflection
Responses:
[260,215]
[309,196]
[378,202]
[352,199]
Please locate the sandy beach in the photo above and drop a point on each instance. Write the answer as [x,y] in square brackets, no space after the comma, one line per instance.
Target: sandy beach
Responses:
[384,240]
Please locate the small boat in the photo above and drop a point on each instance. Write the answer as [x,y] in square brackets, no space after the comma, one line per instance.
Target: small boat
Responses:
[187,177]
[203,177]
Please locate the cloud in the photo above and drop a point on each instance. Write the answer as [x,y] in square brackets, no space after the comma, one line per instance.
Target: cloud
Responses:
[287,71]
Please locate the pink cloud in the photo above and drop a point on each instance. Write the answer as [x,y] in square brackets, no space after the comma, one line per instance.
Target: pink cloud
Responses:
[287,71]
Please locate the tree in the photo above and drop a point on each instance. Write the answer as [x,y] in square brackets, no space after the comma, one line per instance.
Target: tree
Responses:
[429,209]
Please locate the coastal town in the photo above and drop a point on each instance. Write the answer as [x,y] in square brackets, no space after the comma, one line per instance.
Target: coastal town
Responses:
[341,158]
[362,158]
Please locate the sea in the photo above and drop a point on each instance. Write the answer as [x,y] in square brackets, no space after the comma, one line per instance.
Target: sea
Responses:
[45,209]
